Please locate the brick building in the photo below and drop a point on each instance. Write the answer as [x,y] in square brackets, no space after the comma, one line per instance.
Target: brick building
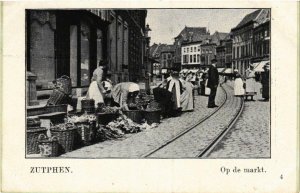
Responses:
[72,42]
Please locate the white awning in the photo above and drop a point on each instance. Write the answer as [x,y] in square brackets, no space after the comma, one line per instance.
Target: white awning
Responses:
[163,71]
[183,70]
[193,70]
[259,67]
[228,71]
[220,69]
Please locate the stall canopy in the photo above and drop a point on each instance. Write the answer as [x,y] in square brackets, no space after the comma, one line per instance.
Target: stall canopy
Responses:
[227,71]
[194,70]
[163,71]
[183,70]
[221,69]
[259,66]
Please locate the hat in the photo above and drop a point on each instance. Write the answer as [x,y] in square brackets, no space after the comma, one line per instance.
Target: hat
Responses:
[235,70]
[133,87]
[213,60]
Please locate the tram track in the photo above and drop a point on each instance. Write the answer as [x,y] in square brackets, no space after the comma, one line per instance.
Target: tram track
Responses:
[204,152]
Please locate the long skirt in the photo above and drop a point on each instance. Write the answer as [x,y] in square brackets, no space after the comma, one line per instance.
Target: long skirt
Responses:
[94,93]
[238,87]
[186,98]
[250,85]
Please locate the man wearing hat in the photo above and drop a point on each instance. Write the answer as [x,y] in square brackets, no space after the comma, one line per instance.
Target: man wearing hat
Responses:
[212,83]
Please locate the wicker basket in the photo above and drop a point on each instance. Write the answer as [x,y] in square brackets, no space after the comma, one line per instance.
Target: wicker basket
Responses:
[48,146]
[64,84]
[57,97]
[85,133]
[152,116]
[105,118]
[65,138]
[32,136]
[135,115]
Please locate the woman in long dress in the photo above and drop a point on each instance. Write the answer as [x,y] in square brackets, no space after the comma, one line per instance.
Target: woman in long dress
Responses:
[250,81]
[96,89]
[125,94]
[238,85]
[186,98]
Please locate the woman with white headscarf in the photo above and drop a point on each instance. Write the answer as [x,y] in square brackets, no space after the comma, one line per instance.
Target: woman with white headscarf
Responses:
[238,84]
[125,93]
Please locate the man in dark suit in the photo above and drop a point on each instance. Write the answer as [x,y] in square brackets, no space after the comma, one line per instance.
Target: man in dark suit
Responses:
[212,83]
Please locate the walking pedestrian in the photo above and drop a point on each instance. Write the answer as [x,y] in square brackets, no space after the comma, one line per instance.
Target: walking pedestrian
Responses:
[212,83]
[265,81]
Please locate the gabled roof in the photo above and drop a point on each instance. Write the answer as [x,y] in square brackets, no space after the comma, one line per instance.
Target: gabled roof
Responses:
[218,36]
[155,50]
[190,31]
[248,18]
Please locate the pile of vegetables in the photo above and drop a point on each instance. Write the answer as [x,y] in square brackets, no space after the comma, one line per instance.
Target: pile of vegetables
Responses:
[108,110]
[126,125]
[153,106]
[81,119]
[63,126]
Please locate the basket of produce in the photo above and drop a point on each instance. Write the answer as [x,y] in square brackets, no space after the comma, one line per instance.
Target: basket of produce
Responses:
[88,105]
[48,146]
[32,136]
[86,128]
[57,97]
[107,114]
[135,115]
[152,113]
[64,84]
[66,134]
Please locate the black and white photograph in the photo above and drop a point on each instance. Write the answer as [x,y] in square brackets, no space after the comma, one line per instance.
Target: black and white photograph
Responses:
[148,83]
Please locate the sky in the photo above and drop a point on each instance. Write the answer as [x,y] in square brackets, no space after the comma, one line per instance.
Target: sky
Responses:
[168,23]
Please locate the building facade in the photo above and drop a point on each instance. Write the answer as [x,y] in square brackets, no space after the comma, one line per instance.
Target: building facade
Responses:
[243,44]
[167,58]
[208,52]
[72,42]
[261,41]
[228,52]
[190,57]
[220,55]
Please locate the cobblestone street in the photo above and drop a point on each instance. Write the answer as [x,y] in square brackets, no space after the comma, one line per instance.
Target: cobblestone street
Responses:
[135,145]
[250,136]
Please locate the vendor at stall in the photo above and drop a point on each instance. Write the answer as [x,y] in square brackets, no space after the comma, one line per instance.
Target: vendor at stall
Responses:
[175,86]
[124,94]
[96,89]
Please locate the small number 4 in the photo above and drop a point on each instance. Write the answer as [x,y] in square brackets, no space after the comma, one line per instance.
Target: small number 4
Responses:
[281,176]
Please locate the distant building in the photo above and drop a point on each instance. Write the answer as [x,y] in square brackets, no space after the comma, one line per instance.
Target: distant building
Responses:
[242,35]
[167,58]
[186,35]
[190,53]
[220,55]
[228,51]
[155,54]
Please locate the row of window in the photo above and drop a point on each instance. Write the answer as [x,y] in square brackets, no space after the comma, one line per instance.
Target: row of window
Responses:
[242,51]
[261,35]
[191,49]
[167,55]
[195,58]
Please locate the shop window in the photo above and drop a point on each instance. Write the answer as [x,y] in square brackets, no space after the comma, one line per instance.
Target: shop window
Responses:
[194,58]
[191,58]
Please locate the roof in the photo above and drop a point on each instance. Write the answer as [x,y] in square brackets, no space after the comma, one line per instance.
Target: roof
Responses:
[248,18]
[155,50]
[218,36]
[190,31]
[168,48]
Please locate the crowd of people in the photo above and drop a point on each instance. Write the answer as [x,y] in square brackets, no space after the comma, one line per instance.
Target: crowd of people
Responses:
[176,93]
[247,85]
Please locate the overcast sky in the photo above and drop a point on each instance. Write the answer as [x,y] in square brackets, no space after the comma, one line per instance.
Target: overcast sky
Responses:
[168,23]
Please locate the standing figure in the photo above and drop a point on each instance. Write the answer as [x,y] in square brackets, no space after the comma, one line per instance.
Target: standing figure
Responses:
[250,81]
[265,81]
[175,86]
[239,90]
[96,89]
[212,83]
[187,98]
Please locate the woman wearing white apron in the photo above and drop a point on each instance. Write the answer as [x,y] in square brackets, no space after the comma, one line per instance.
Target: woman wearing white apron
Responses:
[238,85]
